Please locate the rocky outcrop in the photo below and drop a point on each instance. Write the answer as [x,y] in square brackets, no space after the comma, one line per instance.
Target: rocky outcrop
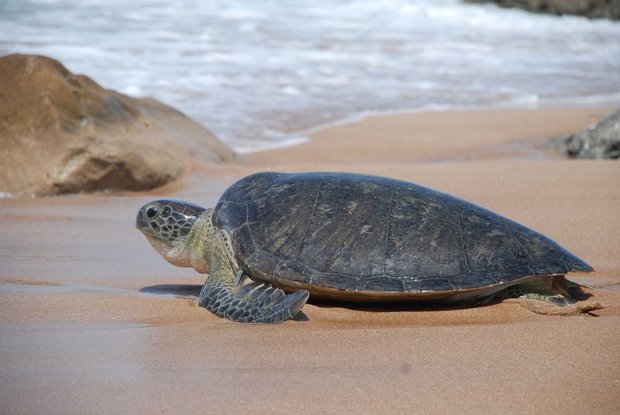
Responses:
[63,133]
[589,8]
[599,141]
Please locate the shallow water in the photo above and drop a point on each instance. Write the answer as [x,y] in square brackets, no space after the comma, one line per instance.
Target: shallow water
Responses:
[256,72]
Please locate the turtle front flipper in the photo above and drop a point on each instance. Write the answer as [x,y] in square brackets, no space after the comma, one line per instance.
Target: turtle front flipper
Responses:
[251,303]
[228,293]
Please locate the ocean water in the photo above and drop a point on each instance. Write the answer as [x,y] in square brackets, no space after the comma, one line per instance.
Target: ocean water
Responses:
[259,73]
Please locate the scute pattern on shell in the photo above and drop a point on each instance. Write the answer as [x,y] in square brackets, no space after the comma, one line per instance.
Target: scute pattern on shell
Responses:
[367,234]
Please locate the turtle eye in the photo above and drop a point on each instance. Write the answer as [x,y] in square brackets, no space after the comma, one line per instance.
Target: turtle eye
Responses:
[151,212]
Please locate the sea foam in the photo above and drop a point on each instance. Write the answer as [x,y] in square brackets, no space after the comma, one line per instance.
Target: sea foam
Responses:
[256,73]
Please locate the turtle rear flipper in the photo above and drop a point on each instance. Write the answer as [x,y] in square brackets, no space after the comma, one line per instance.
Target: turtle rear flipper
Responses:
[251,303]
[553,295]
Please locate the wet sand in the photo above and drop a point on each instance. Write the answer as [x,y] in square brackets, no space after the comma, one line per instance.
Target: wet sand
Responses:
[94,321]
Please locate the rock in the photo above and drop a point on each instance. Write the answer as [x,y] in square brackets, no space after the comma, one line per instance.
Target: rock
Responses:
[589,8]
[63,133]
[599,141]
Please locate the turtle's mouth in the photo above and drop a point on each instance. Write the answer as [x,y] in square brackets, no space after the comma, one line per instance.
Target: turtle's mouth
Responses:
[175,253]
[160,246]
[153,237]
[141,224]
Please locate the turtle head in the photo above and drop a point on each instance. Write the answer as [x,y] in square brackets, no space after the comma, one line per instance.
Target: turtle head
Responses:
[177,231]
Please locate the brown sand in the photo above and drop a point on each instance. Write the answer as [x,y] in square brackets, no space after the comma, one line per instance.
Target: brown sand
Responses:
[93,321]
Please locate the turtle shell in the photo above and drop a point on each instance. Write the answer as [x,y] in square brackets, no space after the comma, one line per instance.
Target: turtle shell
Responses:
[359,237]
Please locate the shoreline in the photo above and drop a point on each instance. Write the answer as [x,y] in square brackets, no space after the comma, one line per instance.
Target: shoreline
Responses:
[303,136]
[404,129]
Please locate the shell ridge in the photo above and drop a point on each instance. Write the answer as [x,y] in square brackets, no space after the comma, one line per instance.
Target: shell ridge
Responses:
[389,229]
[458,220]
[275,269]
[245,205]
[518,241]
[303,236]
[564,260]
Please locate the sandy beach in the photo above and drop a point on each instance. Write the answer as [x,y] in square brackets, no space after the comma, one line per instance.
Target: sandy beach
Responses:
[93,321]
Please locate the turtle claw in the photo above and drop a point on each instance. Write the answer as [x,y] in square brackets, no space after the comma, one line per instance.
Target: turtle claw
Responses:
[296,301]
[239,278]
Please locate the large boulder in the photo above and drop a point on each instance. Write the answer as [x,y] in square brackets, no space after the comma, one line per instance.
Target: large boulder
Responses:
[589,8]
[63,133]
[599,141]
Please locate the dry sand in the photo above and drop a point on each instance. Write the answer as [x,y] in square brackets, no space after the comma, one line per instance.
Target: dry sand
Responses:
[93,321]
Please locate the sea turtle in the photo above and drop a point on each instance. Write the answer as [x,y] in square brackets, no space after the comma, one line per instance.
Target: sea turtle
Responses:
[350,237]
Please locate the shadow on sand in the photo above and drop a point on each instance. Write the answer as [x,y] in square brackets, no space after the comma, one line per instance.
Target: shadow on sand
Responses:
[178,290]
[193,291]
[190,290]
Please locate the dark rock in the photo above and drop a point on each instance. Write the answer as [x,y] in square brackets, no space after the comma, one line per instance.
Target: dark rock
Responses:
[609,9]
[63,133]
[599,141]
